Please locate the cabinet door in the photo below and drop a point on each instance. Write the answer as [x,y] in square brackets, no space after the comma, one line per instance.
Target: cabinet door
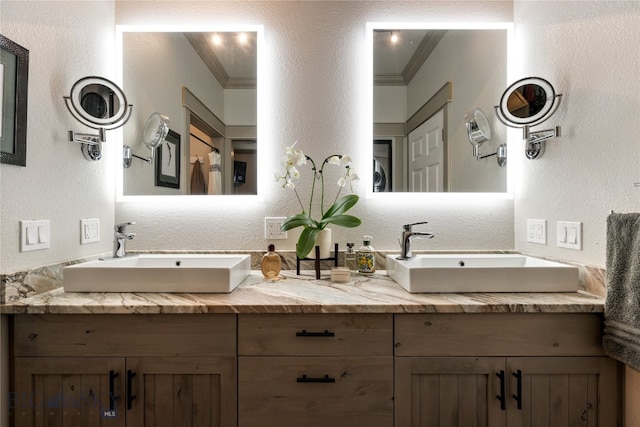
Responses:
[181,392]
[67,392]
[562,392]
[449,391]
[315,391]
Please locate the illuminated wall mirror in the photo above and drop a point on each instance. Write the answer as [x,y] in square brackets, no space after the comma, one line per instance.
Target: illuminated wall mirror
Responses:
[205,81]
[425,79]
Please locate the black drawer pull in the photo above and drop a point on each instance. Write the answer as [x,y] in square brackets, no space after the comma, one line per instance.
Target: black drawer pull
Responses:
[518,395]
[304,333]
[502,396]
[130,395]
[325,379]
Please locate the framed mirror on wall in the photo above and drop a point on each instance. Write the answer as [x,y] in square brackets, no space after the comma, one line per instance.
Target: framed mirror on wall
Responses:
[206,81]
[424,79]
[14,79]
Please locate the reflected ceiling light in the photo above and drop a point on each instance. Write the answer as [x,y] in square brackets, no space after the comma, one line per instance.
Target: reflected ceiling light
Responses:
[243,38]
[216,39]
[393,38]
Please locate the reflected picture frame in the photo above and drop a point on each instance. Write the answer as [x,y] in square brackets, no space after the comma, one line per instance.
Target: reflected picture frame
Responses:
[14,78]
[167,164]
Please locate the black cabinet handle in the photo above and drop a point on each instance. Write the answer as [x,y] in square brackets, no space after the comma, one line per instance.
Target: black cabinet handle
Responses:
[325,379]
[130,395]
[112,394]
[501,397]
[518,395]
[304,333]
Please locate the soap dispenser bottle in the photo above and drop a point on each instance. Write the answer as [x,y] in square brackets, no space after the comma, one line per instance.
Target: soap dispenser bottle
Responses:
[271,263]
[366,257]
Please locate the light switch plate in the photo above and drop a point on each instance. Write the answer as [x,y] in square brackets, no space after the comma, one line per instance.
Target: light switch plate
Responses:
[34,235]
[569,235]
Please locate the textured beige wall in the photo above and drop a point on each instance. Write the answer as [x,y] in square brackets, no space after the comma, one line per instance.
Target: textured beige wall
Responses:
[66,40]
[589,51]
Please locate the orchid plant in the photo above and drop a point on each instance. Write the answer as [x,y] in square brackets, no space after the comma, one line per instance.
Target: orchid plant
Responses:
[335,214]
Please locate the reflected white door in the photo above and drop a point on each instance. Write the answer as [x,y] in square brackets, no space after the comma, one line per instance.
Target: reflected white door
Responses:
[426,155]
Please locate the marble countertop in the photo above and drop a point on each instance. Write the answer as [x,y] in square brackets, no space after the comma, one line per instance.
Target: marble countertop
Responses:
[289,293]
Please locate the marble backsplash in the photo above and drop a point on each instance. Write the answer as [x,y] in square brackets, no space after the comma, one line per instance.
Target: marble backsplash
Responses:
[16,286]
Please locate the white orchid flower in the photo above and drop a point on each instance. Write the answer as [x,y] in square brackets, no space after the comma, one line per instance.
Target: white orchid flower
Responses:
[289,184]
[334,160]
[345,161]
[293,172]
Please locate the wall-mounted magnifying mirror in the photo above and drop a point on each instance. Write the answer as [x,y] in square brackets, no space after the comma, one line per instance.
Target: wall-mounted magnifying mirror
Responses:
[208,86]
[100,104]
[479,131]
[155,131]
[529,102]
[425,80]
[154,134]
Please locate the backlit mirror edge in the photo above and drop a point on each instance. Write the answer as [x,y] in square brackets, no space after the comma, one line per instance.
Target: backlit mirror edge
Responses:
[260,122]
[512,60]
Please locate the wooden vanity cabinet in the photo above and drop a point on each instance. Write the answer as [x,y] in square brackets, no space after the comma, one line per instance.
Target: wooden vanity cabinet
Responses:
[503,370]
[133,370]
[315,370]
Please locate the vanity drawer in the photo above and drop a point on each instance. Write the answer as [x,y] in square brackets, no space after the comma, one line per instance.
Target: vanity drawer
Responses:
[125,335]
[315,391]
[315,335]
[499,334]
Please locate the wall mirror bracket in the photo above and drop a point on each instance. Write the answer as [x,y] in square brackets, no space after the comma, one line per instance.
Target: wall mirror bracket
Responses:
[526,103]
[154,134]
[99,104]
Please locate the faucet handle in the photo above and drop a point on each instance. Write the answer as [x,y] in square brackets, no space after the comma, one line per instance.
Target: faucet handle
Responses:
[407,227]
[122,228]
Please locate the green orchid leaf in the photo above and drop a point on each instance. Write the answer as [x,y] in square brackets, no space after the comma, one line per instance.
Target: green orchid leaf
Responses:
[306,241]
[341,205]
[299,220]
[348,221]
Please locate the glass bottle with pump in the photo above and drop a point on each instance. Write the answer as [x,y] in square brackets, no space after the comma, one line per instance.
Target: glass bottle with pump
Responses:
[350,260]
[366,257]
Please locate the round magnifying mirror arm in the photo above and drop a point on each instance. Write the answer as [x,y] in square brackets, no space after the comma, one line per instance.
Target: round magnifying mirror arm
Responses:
[128,155]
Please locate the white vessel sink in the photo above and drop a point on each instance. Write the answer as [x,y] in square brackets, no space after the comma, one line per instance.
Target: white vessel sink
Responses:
[481,273]
[195,273]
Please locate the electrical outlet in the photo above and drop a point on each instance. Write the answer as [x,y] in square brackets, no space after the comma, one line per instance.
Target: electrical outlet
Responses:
[89,230]
[569,235]
[272,228]
[537,231]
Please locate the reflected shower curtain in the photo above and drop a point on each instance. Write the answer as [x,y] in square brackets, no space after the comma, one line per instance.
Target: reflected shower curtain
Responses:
[215,177]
